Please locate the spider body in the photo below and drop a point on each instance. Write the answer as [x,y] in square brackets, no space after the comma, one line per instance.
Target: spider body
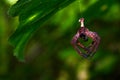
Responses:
[84,33]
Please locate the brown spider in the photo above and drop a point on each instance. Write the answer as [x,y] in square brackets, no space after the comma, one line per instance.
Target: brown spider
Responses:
[84,33]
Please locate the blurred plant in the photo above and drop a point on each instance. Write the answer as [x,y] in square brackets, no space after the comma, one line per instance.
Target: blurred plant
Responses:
[32,14]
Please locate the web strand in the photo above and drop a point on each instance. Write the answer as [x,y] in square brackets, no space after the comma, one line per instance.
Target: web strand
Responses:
[79,2]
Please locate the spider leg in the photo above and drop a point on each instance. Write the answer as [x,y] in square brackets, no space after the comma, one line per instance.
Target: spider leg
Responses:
[83,47]
[94,45]
[80,53]
[75,44]
[97,41]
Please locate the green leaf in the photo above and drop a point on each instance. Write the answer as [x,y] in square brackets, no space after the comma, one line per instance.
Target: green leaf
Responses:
[32,14]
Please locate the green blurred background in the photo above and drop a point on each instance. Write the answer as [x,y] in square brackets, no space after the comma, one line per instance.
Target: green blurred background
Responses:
[49,54]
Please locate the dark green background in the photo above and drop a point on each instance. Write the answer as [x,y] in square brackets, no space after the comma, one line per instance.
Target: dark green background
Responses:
[49,54]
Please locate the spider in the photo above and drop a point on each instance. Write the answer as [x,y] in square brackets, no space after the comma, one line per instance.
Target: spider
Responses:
[84,33]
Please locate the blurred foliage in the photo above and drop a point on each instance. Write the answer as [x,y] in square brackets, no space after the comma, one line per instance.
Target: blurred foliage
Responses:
[49,54]
[32,13]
